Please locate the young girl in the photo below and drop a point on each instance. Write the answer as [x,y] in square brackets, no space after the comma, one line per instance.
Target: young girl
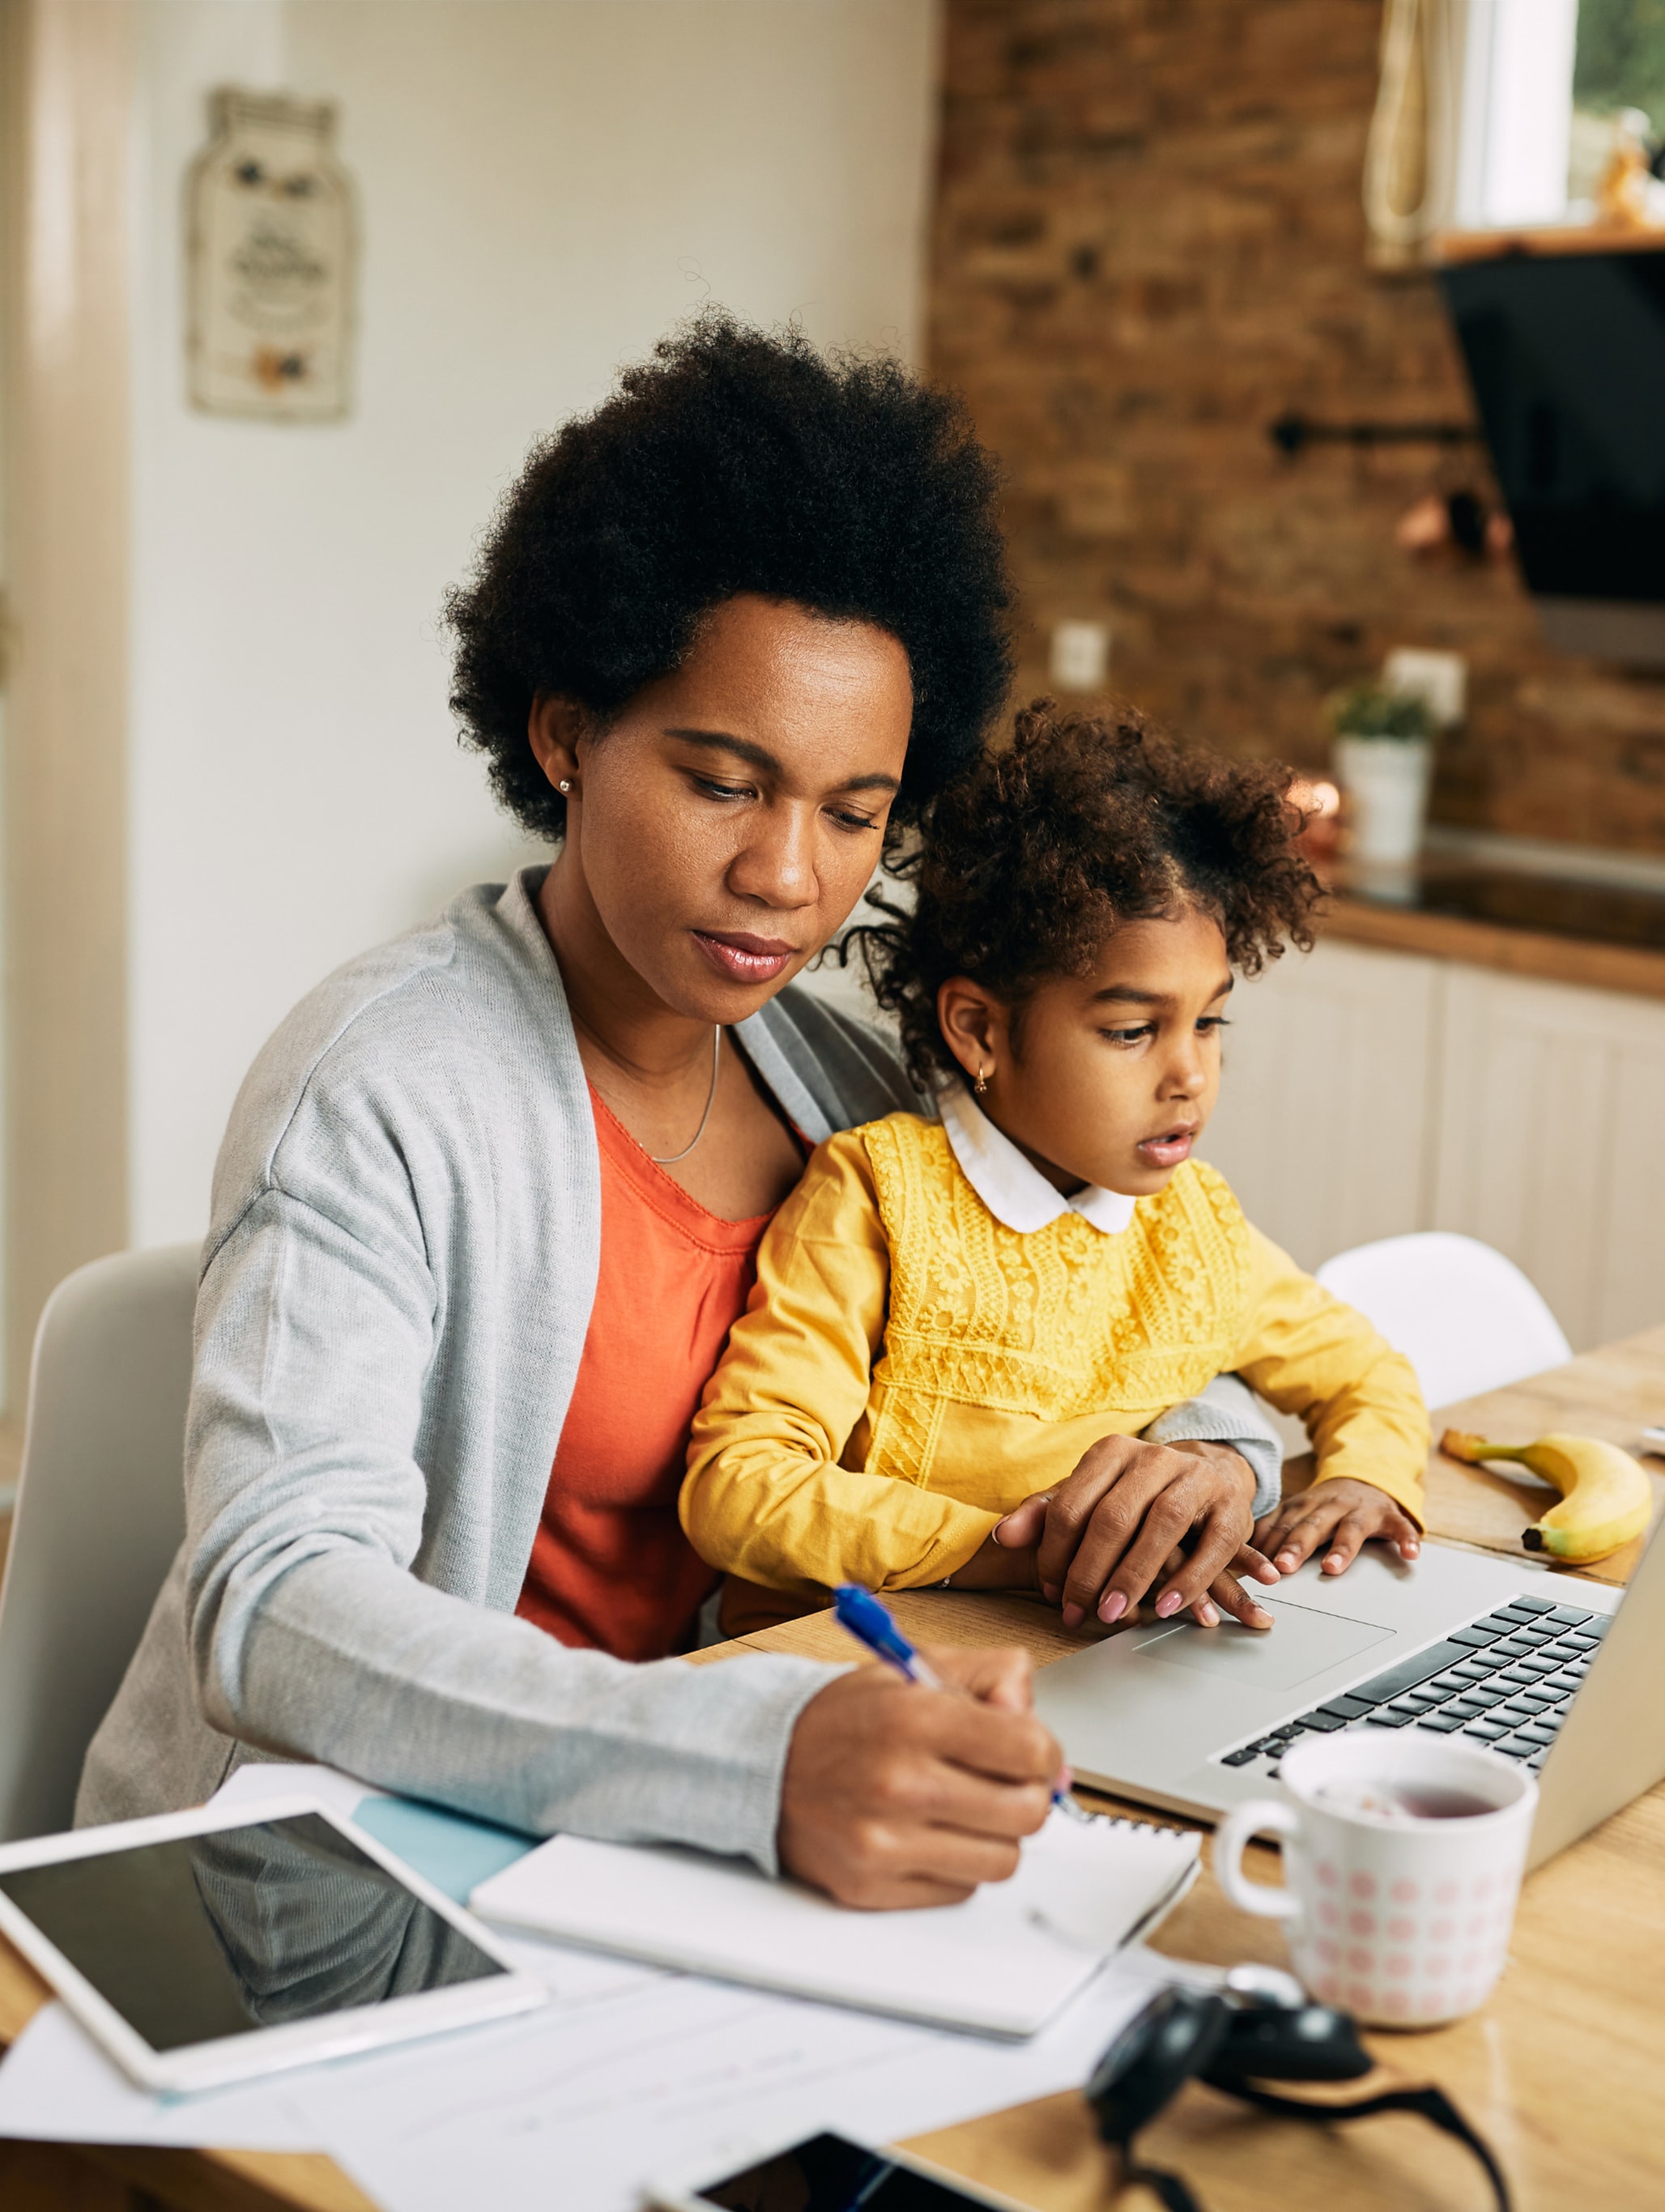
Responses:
[954,1320]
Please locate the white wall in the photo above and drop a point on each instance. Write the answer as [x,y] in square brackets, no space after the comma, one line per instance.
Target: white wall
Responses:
[546,186]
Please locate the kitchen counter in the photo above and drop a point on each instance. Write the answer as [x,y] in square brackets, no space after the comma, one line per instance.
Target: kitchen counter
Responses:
[1607,937]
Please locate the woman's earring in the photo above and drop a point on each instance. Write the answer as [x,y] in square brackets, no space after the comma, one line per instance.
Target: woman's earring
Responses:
[563,786]
[982,1083]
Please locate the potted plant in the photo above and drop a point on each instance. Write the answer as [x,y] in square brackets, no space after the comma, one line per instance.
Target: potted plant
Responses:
[1384,755]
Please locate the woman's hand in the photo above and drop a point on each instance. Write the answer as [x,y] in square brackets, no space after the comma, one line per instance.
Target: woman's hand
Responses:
[1342,1514]
[898,1795]
[1113,1530]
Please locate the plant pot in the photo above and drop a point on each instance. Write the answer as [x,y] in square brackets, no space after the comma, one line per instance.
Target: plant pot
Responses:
[1384,789]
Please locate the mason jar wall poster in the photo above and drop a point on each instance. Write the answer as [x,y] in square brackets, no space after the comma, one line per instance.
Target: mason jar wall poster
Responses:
[269,216]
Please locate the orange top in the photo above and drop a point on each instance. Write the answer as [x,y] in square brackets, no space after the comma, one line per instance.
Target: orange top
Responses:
[610,1567]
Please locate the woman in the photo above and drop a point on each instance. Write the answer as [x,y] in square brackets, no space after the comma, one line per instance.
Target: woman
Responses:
[488,1201]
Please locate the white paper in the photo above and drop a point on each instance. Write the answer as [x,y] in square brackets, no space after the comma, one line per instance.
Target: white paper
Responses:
[582,2104]
[629,2071]
[995,1962]
[265,1778]
[57,2086]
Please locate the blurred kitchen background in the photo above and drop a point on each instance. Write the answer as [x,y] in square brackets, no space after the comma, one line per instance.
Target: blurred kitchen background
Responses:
[1324,347]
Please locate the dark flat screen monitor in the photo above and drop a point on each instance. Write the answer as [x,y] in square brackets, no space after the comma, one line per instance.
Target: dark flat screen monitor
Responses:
[1566,354]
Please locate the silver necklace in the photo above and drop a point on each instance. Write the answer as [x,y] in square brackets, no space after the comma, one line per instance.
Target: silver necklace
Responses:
[670,1159]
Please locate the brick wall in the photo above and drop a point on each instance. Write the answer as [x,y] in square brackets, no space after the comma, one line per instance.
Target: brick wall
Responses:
[1148,244]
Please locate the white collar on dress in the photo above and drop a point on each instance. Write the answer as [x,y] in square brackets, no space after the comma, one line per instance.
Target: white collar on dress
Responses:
[1012,1188]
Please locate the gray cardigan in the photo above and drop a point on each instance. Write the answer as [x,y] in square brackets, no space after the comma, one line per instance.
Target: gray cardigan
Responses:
[396,1286]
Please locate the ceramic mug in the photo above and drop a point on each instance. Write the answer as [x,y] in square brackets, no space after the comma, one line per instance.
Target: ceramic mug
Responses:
[1402,1856]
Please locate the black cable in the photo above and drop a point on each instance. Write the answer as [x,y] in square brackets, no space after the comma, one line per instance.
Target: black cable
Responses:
[1428,2104]
[1182,2035]
[1167,2187]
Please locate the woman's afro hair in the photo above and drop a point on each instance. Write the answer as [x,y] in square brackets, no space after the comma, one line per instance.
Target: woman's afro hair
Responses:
[736,461]
[1029,859]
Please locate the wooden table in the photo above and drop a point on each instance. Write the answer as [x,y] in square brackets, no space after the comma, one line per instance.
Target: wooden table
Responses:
[1563,2071]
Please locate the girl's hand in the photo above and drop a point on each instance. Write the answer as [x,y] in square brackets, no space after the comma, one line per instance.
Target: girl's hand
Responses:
[1342,1514]
[1110,1533]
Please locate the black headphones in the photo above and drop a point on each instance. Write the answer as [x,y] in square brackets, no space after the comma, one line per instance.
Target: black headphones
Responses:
[1184,2033]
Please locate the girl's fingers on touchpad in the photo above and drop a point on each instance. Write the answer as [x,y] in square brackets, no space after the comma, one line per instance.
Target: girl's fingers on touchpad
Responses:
[1296,1543]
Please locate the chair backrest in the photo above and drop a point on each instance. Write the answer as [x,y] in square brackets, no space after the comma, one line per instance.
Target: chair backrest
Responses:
[100,1513]
[1466,1318]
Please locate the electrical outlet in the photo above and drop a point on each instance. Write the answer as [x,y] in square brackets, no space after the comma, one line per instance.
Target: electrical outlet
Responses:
[1440,680]
[1080,658]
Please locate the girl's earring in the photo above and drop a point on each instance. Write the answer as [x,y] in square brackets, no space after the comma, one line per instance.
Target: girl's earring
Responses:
[564,787]
[982,1083]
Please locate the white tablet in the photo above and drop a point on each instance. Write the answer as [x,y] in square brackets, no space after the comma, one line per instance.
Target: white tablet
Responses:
[211,1947]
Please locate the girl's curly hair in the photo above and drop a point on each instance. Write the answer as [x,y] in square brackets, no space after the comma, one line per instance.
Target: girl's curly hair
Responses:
[737,460]
[1029,859]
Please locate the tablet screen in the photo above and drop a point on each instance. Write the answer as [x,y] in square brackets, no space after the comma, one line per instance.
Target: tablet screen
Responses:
[212,1935]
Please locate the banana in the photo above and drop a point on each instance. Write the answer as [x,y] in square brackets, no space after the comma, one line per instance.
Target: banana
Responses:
[1605,1496]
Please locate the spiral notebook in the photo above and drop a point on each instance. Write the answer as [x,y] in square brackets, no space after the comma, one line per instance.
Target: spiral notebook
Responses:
[1002,1964]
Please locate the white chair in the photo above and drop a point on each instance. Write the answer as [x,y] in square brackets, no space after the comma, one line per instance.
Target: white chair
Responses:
[100,1512]
[1466,1318]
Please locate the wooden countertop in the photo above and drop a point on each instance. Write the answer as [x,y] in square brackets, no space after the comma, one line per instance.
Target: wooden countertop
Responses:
[1541,953]
[1559,2071]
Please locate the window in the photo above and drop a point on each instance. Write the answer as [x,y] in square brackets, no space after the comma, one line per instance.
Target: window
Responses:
[1618,93]
[1514,112]
[1506,114]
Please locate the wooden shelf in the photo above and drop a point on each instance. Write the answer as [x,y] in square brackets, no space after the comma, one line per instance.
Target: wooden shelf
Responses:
[1561,239]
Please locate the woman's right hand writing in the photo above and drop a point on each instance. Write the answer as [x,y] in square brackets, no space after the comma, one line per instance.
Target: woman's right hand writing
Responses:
[895,1795]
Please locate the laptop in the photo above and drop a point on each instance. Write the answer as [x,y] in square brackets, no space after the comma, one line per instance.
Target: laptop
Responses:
[1559,1673]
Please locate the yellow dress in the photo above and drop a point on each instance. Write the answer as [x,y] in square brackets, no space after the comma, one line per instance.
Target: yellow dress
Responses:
[908,1370]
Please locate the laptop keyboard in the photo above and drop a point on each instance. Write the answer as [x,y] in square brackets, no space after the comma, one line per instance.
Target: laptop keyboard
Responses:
[1507,1680]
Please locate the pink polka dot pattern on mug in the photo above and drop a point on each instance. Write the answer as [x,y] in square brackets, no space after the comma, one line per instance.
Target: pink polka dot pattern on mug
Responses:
[1418,1971]
[1402,1861]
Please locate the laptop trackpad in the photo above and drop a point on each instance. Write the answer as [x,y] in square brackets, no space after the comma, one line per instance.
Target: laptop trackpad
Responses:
[1303,1644]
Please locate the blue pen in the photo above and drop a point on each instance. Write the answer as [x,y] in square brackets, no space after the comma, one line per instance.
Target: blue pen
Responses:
[859,1612]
